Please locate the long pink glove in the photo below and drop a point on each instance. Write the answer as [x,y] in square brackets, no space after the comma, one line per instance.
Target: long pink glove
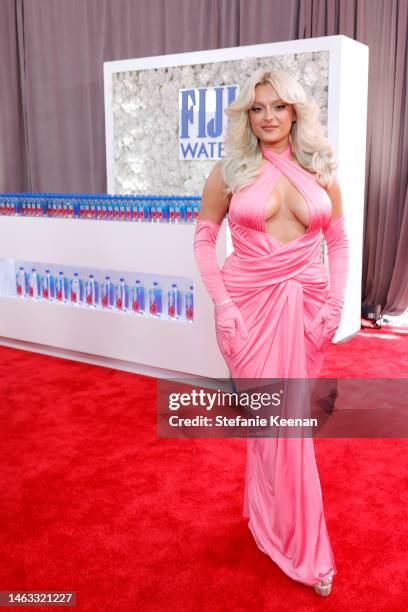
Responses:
[325,325]
[229,324]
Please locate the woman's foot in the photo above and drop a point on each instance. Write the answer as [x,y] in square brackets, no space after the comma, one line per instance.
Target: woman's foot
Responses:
[324,587]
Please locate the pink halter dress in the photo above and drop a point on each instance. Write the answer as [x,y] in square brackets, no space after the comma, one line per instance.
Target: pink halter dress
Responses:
[279,288]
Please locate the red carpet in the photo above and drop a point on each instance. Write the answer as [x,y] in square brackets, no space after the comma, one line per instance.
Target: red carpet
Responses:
[93,502]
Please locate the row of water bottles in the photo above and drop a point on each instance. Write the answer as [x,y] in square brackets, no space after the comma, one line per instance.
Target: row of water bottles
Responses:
[155,209]
[173,303]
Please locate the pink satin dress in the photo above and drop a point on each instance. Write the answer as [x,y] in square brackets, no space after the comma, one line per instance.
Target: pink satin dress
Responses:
[279,288]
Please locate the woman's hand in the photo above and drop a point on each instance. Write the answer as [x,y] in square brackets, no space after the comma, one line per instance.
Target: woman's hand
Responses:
[324,326]
[230,327]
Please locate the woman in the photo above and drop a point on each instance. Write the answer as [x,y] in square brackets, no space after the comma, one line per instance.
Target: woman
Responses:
[274,311]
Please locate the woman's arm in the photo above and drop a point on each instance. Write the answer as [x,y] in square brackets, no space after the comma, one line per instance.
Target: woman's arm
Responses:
[214,206]
[214,203]
[334,193]
[338,256]
[337,249]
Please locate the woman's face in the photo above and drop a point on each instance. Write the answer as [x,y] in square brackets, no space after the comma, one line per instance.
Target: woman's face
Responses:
[270,117]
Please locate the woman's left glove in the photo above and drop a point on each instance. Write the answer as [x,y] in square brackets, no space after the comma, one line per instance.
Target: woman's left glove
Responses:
[325,324]
[324,327]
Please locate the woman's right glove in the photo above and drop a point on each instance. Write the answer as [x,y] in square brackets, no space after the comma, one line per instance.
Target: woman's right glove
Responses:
[229,324]
[230,327]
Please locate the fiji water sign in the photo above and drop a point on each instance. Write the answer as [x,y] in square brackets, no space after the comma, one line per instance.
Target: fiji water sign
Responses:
[202,121]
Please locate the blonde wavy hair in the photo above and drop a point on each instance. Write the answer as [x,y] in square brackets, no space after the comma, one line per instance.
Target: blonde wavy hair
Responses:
[242,161]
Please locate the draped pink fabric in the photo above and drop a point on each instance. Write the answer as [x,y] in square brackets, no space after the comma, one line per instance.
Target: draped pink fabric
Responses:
[279,289]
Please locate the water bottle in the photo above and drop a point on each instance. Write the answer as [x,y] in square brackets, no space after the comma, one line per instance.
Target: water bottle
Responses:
[46,285]
[34,286]
[155,300]
[92,208]
[71,208]
[121,301]
[65,208]
[91,291]
[134,213]
[138,298]
[181,215]
[106,293]
[178,212]
[153,211]
[146,212]
[174,302]
[196,210]
[189,211]
[21,283]
[189,304]
[160,212]
[76,289]
[61,289]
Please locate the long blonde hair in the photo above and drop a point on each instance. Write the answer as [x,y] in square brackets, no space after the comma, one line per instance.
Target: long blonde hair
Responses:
[242,161]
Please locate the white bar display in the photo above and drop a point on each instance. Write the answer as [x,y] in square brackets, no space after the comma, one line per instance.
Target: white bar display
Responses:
[158,344]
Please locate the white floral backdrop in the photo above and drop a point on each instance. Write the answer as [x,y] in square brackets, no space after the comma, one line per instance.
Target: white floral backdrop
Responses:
[146,117]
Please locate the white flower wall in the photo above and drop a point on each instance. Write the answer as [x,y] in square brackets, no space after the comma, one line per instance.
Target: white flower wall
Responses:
[146,117]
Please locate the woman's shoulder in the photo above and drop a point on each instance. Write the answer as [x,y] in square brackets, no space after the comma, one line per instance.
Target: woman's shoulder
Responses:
[333,185]
[334,192]
[214,192]
[215,174]
[214,178]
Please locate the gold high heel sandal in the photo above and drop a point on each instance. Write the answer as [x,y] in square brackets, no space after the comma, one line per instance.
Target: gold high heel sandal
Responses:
[324,587]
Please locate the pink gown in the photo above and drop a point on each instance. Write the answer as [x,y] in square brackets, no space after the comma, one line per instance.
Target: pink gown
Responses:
[279,288]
